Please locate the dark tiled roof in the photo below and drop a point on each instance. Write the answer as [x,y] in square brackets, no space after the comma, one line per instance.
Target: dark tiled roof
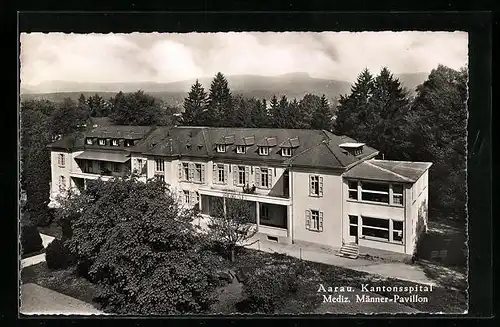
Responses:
[290,143]
[119,131]
[68,142]
[317,148]
[386,170]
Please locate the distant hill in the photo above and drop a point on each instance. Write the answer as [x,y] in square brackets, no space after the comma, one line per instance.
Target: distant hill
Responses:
[293,85]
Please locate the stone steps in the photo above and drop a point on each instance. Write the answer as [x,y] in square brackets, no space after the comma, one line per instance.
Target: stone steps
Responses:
[349,250]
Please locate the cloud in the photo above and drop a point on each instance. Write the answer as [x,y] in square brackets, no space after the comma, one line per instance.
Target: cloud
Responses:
[172,57]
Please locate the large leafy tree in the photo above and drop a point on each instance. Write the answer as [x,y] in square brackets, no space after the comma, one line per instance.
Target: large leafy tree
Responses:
[97,106]
[437,131]
[195,105]
[141,247]
[137,108]
[322,115]
[68,118]
[220,106]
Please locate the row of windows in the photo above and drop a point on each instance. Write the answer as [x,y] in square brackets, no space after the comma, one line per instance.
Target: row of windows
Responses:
[89,167]
[376,228]
[111,142]
[195,172]
[376,192]
[263,150]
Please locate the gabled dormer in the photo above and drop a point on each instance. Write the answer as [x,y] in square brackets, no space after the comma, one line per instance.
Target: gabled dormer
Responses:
[222,144]
[288,146]
[266,144]
[243,143]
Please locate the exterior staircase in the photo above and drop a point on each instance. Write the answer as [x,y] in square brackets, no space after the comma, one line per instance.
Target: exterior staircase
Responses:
[349,250]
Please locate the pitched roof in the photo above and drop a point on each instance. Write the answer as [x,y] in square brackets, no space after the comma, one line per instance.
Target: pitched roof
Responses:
[316,148]
[119,131]
[387,170]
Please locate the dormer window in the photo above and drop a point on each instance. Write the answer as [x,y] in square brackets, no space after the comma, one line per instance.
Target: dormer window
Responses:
[286,152]
[354,149]
[128,143]
[240,149]
[263,150]
[102,142]
[221,148]
[89,141]
[114,142]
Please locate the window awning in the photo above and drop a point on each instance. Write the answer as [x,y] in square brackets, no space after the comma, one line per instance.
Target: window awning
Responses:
[102,156]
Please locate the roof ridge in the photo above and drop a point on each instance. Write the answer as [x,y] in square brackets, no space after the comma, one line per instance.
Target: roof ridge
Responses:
[389,171]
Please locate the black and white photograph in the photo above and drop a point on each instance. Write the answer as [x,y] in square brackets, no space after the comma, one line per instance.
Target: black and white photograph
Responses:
[243,173]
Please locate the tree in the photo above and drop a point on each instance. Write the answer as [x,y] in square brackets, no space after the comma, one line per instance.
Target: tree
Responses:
[259,116]
[97,106]
[308,106]
[242,116]
[143,249]
[232,222]
[68,118]
[322,116]
[137,108]
[436,131]
[294,117]
[194,105]
[274,112]
[220,108]
[384,123]
[352,108]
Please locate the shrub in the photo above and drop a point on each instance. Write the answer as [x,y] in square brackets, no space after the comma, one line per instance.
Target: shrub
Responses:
[267,287]
[57,255]
[30,239]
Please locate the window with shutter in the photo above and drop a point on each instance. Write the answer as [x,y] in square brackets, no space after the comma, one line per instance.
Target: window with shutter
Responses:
[202,173]
[180,171]
[191,172]
[270,181]
[181,197]
[320,188]
[311,185]
[257,177]
[215,174]
[235,175]
[247,175]
[308,219]
[320,225]
[226,173]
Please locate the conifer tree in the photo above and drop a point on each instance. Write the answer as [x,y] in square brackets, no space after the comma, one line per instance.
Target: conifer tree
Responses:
[194,105]
[322,116]
[274,112]
[220,109]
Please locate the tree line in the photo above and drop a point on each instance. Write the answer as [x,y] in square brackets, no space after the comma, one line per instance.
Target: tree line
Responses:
[220,108]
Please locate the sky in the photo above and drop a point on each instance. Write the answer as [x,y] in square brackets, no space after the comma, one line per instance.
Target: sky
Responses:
[169,57]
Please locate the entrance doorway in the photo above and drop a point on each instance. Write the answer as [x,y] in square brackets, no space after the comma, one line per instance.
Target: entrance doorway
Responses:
[353,229]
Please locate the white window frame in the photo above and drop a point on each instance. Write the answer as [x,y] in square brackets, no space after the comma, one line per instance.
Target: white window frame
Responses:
[314,220]
[353,225]
[240,149]
[114,142]
[390,230]
[315,191]
[241,170]
[350,189]
[101,142]
[221,148]
[197,172]
[263,150]
[61,160]
[395,195]
[221,174]
[185,171]
[186,196]
[89,141]
[159,165]
[286,152]
[375,192]
[264,172]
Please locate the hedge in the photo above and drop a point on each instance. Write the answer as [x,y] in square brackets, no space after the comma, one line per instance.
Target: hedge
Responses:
[30,239]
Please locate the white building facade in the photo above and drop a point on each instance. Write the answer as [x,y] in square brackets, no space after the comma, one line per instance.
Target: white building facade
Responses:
[308,187]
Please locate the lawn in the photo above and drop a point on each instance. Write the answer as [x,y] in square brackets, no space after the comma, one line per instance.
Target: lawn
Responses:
[305,299]
[63,281]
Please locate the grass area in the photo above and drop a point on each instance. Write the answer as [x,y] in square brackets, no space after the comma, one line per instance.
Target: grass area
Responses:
[306,299]
[64,281]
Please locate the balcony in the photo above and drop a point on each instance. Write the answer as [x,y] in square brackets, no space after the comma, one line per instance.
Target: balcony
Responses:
[221,191]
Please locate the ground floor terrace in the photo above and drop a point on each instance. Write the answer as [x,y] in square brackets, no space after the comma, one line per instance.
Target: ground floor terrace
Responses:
[272,220]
